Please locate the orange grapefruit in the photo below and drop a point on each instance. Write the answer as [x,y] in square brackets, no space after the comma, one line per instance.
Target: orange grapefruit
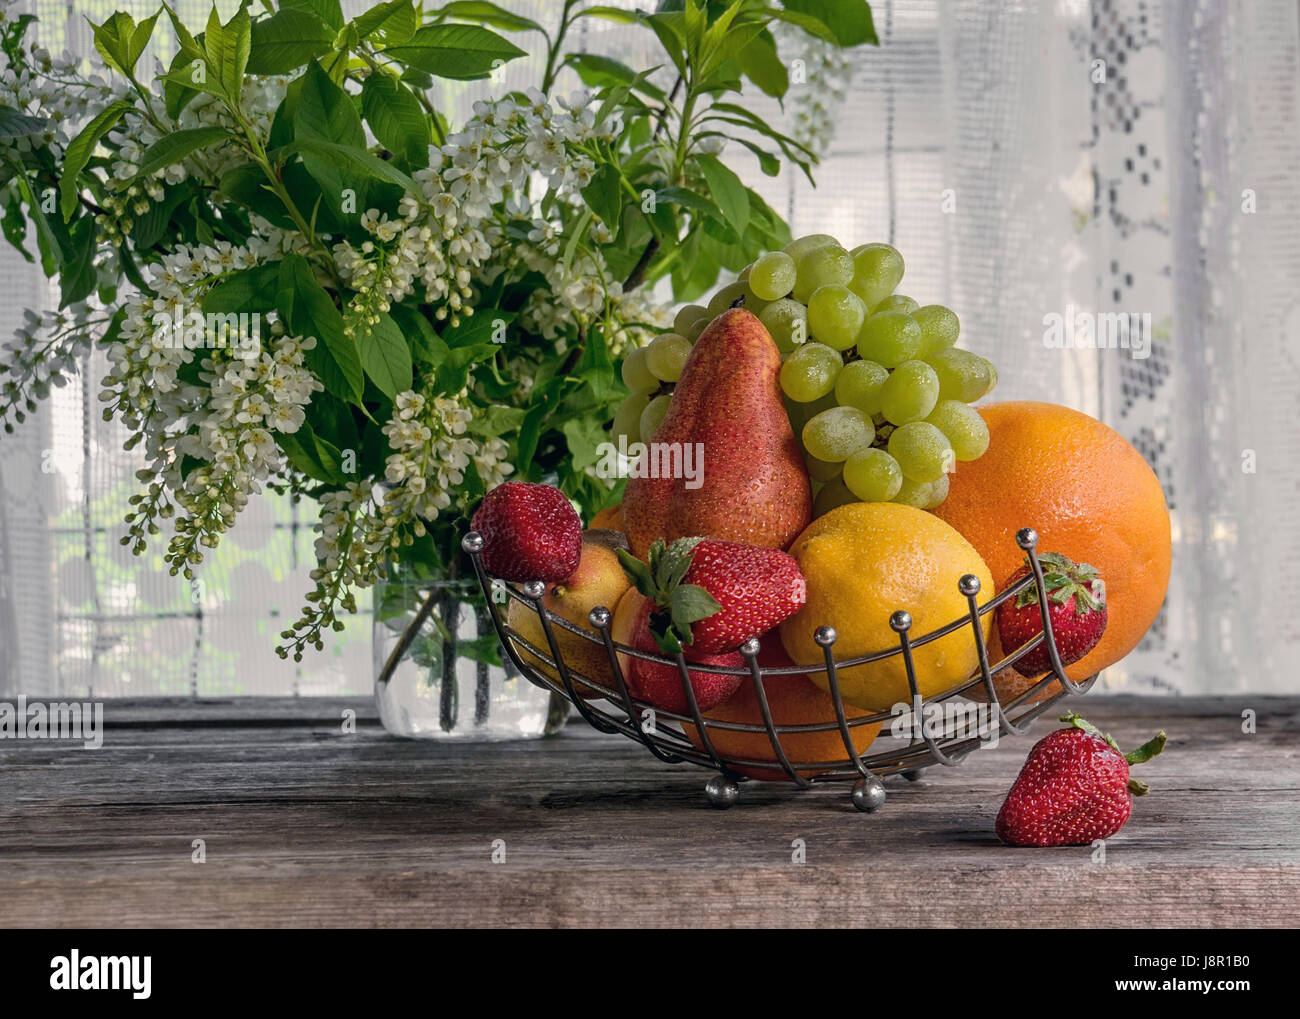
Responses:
[1089,494]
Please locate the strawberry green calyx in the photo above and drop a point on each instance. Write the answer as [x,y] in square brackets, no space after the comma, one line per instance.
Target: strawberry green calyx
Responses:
[1141,755]
[1063,578]
[677,605]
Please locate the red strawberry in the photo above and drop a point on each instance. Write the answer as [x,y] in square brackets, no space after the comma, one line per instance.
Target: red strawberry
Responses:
[714,595]
[661,685]
[1076,599]
[530,532]
[1074,788]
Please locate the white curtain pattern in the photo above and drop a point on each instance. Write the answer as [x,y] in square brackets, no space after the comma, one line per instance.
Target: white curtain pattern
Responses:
[1103,156]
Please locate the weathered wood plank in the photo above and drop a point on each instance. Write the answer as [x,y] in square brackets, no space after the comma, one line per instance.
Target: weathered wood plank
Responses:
[304,824]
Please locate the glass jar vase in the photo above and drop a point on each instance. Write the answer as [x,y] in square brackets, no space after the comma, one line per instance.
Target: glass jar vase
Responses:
[440,672]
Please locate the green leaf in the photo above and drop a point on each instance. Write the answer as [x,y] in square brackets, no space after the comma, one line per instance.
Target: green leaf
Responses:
[396,117]
[248,290]
[325,112]
[761,65]
[690,604]
[80,150]
[598,72]
[307,310]
[18,125]
[377,17]
[484,13]
[120,41]
[287,40]
[357,160]
[688,199]
[604,195]
[638,573]
[329,11]
[727,190]
[426,345]
[607,13]
[767,162]
[227,48]
[461,52]
[386,357]
[14,224]
[77,275]
[496,420]
[172,148]
[849,21]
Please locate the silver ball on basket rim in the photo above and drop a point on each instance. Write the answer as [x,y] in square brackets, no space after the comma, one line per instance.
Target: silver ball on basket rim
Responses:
[599,617]
[535,589]
[869,794]
[750,648]
[722,791]
[1026,538]
[969,585]
[900,621]
[472,543]
[825,635]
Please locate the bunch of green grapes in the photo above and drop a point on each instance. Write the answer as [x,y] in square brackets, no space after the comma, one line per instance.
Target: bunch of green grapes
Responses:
[877,392]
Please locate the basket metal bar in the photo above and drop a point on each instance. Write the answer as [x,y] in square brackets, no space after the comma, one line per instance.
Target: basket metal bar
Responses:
[900,622]
[825,636]
[750,652]
[600,619]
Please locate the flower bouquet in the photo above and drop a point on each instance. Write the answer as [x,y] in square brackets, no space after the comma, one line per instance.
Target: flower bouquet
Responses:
[309,278]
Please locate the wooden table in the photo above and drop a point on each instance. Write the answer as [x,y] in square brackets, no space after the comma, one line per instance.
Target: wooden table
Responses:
[303,824]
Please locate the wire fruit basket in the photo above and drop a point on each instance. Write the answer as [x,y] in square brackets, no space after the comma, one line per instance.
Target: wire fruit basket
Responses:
[665,736]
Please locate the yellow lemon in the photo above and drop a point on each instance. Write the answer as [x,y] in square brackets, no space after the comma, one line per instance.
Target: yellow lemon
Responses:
[863,562]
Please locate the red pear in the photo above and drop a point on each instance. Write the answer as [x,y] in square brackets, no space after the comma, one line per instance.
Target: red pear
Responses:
[728,422]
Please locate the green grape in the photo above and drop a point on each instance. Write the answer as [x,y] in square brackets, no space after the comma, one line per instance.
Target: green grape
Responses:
[833,495]
[877,270]
[913,493]
[859,385]
[821,470]
[627,419]
[939,327]
[921,450]
[810,372]
[772,275]
[964,427]
[962,375]
[698,326]
[873,475]
[635,373]
[726,296]
[666,356]
[938,492]
[897,302]
[835,314]
[653,415]
[831,264]
[910,392]
[801,413]
[800,246]
[743,275]
[835,434]
[787,321]
[889,338]
[687,316]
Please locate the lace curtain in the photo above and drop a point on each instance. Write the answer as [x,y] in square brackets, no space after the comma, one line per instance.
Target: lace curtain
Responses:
[1028,159]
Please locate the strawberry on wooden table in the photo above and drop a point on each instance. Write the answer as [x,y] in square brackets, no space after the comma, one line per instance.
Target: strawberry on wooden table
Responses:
[714,595]
[1076,598]
[530,532]
[1074,788]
